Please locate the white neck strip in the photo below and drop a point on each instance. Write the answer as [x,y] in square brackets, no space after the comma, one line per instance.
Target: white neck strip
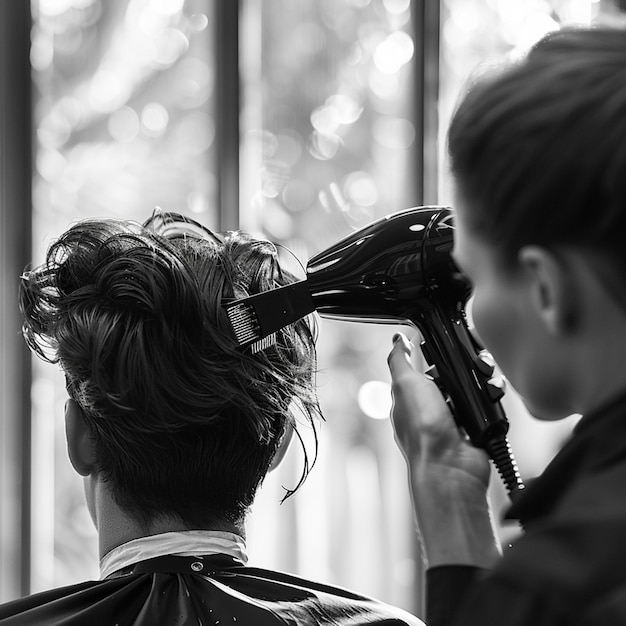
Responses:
[185,543]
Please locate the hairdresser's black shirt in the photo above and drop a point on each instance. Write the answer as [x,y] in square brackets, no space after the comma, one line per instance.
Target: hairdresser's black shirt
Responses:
[569,567]
[210,590]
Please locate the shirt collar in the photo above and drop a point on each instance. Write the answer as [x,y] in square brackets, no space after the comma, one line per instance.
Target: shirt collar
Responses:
[183,543]
[598,440]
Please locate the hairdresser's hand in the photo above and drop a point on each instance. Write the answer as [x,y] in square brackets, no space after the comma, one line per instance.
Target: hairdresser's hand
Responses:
[424,428]
[449,477]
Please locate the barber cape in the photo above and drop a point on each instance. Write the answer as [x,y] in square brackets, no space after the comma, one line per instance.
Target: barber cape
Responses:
[196,578]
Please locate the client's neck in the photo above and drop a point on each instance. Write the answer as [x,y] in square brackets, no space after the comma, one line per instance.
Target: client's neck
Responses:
[115,526]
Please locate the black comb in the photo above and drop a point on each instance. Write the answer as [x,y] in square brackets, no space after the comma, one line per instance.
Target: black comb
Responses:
[256,319]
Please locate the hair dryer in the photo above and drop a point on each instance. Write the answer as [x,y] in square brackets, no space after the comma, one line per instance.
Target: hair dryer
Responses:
[398,269]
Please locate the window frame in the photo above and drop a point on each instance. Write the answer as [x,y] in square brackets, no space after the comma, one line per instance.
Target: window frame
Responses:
[15,253]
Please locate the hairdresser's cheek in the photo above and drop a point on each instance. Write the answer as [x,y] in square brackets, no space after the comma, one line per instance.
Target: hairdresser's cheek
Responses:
[495,324]
[508,331]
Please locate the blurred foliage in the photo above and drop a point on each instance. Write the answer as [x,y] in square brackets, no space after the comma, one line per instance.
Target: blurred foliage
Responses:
[124,109]
[328,110]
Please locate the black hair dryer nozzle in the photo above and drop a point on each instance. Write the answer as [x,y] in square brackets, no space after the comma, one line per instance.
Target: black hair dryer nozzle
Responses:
[398,269]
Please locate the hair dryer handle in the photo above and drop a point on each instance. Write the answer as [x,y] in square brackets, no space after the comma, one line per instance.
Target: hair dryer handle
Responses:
[466,375]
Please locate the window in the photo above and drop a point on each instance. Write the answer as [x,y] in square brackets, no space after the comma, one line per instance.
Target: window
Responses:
[125,120]
[331,140]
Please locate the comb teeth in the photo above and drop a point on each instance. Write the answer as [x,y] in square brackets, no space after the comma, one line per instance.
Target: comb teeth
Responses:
[257,346]
[256,319]
[244,323]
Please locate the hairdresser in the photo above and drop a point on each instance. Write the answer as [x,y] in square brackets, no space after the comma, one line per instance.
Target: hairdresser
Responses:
[538,155]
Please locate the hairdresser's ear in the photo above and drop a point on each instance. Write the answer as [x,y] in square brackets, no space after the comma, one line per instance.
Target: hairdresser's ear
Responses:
[283,446]
[551,289]
[80,445]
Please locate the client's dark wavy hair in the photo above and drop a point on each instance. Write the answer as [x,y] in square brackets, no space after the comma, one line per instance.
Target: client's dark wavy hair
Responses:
[185,423]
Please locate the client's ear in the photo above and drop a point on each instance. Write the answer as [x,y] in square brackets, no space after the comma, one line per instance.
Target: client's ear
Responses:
[551,287]
[80,447]
[283,446]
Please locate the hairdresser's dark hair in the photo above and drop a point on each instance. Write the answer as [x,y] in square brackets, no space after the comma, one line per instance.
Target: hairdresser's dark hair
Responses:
[539,150]
[185,423]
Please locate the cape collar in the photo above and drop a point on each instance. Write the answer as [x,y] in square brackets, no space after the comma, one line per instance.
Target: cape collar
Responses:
[185,543]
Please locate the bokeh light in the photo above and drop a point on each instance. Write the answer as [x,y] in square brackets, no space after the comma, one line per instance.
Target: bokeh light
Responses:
[374,399]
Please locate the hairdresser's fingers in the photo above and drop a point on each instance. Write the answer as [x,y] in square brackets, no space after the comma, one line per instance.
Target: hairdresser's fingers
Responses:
[402,353]
[408,382]
[419,414]
[423,425]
